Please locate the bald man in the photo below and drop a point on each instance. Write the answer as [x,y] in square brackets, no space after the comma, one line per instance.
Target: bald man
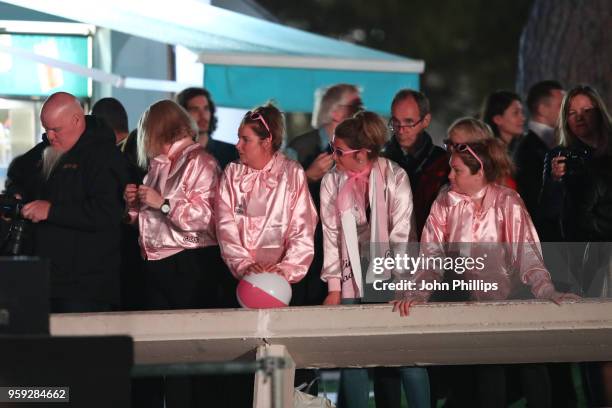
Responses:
[73,182]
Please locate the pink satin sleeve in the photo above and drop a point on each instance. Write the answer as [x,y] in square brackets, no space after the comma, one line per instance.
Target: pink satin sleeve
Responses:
[432,245]
[300,234]
[330,220]
[235,255]
[526,251]
[192,205]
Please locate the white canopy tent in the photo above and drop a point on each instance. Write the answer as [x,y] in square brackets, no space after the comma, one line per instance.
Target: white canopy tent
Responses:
[245,58]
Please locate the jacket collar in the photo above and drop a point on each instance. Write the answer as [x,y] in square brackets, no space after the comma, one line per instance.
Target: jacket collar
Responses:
[488,192]
[268,175]
[420,149]
[177,154]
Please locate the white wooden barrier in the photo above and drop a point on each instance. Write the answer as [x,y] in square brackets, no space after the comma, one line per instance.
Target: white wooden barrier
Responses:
[363,335]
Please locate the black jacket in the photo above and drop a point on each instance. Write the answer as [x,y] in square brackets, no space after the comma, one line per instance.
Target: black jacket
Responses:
[560,200]
[24,175]
[23,178]
[594,209]
[308,148]
[311,290]
[130,153]
[528,156]
[225,153]
[427,168]
[81,235]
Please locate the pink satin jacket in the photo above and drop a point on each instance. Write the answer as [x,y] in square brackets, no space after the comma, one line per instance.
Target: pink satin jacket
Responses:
[188,178]
[398,199]
[267,217]
[501,233]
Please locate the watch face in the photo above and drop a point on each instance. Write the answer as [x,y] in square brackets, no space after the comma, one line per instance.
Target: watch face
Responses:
[165,208]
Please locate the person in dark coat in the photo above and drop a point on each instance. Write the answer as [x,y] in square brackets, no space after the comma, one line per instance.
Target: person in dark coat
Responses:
[585,134]
[413,149]
[73,181]
[111,110]
[544,104]
[575,203]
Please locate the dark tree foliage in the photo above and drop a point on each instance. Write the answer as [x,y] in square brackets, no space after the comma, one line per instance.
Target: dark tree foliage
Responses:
[469,47]
[568,40]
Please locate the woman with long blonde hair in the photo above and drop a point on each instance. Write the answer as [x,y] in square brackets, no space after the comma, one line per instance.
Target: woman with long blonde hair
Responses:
[173,209]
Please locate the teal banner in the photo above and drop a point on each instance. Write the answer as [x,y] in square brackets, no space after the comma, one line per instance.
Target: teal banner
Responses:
[293,89]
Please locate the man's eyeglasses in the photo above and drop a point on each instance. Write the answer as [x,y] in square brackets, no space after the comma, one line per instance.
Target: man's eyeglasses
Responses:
[257,116]
[340,153]
[396,127]
[462,147]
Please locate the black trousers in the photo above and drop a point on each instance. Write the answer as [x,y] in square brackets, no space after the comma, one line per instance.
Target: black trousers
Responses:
[180,281]
[190,279]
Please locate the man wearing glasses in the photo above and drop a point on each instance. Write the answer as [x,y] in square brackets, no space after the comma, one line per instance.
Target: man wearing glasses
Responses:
[332,106]
[413,149]
[427,166]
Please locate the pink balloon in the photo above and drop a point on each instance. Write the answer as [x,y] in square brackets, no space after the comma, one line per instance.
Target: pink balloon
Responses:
[263,291]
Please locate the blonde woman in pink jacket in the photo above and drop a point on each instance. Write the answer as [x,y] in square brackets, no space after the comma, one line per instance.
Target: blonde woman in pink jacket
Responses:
[174,210]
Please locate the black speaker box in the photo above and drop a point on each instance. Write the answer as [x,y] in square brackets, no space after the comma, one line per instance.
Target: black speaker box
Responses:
[24,295]
[96,369]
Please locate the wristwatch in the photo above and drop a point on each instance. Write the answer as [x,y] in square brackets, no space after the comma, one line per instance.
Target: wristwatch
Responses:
[165,208]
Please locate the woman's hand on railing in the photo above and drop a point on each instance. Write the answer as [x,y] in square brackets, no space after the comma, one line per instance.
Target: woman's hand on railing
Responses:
[560,297]
[333,298]
[403,306]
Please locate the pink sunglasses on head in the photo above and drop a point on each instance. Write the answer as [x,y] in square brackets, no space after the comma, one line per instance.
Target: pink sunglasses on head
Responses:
[259,117]
[463,147]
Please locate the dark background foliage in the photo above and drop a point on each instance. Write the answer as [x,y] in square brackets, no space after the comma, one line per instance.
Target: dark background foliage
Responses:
[470,47]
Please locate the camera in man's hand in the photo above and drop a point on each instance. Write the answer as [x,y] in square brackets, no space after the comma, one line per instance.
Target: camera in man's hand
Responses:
[10,207]
[12,242]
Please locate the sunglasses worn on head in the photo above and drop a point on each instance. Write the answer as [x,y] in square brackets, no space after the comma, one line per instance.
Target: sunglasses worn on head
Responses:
[259,117]
[462,147]
[340,153]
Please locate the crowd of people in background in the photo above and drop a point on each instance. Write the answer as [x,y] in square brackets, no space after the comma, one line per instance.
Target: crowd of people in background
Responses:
[167,217]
